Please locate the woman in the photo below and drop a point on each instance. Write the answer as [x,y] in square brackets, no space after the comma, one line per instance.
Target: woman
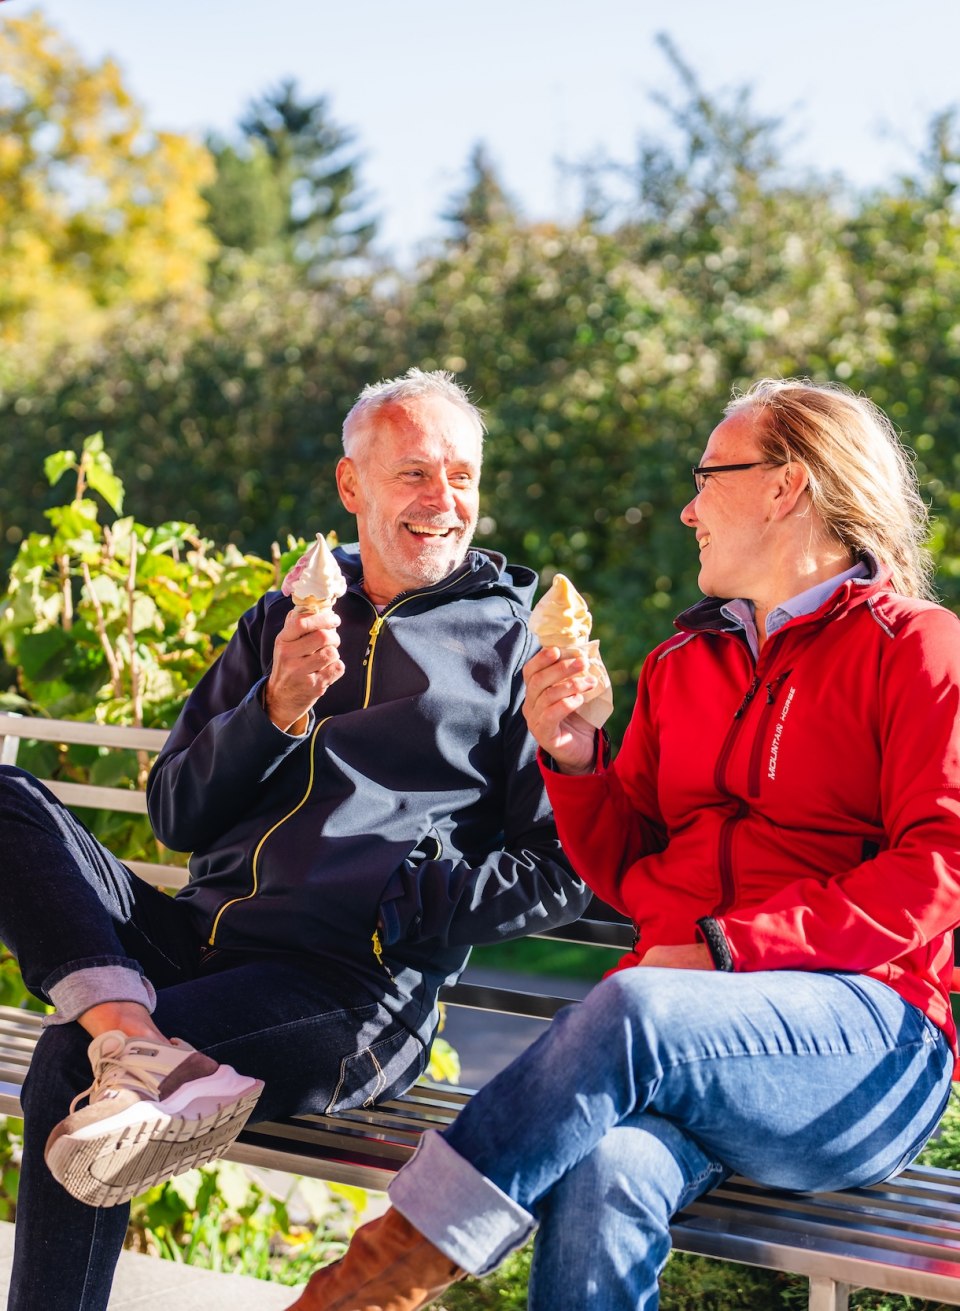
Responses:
[782,824]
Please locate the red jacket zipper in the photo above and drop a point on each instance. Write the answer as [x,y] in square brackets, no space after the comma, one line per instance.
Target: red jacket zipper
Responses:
[724,855]
[724,862]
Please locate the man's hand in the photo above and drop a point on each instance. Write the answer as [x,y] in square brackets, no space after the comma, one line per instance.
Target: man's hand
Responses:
[555,688]
[682,956]
[306,661]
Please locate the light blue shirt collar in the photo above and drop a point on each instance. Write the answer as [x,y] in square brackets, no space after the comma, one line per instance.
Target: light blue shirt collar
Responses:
[740,612]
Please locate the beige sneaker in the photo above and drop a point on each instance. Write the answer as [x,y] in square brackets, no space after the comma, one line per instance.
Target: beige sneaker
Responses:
[154,1110]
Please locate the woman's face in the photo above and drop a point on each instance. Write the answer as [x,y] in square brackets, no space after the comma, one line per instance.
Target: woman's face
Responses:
[733,512]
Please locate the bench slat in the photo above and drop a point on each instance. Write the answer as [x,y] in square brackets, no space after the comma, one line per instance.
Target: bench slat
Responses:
[161,876]
[99,798]
[592,933]
[840,1256]
[502,1001]
[81,733]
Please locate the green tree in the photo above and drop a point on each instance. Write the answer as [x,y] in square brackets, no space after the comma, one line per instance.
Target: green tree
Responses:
[901,342]
[248,204]
[688,179]
[292,184]
[237,427]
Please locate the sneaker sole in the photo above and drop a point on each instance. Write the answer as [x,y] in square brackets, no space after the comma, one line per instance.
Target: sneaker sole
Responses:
[115,1166]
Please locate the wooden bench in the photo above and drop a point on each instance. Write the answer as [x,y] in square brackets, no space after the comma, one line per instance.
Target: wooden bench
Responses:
[900,1237]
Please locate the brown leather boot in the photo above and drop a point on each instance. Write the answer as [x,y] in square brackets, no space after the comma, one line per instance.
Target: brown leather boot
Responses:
[389,1266]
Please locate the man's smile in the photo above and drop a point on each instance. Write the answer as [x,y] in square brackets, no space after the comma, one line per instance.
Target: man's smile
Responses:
[431,530]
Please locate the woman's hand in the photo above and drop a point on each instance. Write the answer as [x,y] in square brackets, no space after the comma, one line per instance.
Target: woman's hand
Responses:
[306,661]
[556,683]
[683,956]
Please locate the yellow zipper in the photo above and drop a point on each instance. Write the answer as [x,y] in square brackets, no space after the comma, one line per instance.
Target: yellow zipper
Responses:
[375,633]
[256,877]
[368,664]
[368,654]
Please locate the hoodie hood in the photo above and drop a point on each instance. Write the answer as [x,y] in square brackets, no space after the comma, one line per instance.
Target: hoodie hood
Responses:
[482,570]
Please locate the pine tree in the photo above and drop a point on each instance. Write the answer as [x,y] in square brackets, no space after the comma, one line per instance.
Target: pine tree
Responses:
[483,203]
[291,184]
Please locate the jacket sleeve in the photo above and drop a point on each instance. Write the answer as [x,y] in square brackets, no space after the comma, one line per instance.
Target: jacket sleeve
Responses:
[609,819]
[524,884]
[909,894]
[222,747]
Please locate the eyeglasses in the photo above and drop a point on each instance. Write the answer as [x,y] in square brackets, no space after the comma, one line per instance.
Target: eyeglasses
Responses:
[701,472]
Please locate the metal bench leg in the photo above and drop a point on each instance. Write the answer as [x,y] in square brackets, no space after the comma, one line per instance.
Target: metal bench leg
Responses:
[828,1295]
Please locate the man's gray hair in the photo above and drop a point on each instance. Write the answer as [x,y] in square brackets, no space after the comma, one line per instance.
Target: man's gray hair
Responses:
[412,385]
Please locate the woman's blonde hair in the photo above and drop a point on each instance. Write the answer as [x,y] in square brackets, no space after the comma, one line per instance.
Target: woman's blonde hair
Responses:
[861,478]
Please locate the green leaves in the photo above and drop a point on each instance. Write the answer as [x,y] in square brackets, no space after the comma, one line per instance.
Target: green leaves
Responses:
[55,466]
[227,1218]
[99,471]
[94,468]
[116,621]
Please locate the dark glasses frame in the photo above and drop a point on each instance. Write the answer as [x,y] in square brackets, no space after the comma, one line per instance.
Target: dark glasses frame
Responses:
[702,471]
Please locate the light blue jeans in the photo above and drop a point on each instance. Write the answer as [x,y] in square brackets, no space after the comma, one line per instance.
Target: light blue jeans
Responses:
[649,1093]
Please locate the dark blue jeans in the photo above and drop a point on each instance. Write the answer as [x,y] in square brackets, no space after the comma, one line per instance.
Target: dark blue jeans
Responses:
[319,1040]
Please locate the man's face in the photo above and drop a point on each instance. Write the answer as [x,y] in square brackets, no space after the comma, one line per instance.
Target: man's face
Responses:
[413,484]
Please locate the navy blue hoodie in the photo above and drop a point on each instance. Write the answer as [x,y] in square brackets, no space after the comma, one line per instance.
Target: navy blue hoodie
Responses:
[408,822]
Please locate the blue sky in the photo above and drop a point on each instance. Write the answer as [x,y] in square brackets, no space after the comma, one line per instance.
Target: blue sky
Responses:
[537,80]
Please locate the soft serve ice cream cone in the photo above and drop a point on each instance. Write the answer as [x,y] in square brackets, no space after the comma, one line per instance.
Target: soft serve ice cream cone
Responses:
[316,580]
[561,618]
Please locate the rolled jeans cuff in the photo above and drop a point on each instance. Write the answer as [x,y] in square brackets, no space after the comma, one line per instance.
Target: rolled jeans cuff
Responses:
[91,985]
[457,1208]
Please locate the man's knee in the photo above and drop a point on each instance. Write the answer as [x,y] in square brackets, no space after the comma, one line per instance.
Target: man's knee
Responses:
[22,794]
[59,1071]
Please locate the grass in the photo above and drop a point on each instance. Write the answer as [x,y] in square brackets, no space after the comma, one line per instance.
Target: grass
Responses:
[565,960]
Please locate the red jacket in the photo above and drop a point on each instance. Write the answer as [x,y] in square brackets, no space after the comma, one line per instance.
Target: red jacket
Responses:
[809,802]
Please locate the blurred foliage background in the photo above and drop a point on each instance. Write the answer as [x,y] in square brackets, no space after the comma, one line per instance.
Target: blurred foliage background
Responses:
[214,307]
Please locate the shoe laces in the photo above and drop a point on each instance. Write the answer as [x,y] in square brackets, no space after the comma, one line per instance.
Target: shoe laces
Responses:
[123,1064]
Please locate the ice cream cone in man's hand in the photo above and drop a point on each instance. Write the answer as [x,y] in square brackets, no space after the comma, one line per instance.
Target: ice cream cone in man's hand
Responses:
[306,659]
[316,580]
[561,618]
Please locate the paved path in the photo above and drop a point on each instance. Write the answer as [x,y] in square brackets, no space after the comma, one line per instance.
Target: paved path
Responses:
[485,1042]
[144,1283]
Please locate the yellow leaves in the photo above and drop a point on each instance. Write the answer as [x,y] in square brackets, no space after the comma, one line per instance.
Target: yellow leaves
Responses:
[444,1064]
[11,156]
[97,212]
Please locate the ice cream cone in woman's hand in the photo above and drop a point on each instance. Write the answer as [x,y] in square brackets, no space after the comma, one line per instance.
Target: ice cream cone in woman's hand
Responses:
[561,618]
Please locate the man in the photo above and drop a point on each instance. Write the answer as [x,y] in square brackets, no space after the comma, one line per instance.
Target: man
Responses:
[362,802]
